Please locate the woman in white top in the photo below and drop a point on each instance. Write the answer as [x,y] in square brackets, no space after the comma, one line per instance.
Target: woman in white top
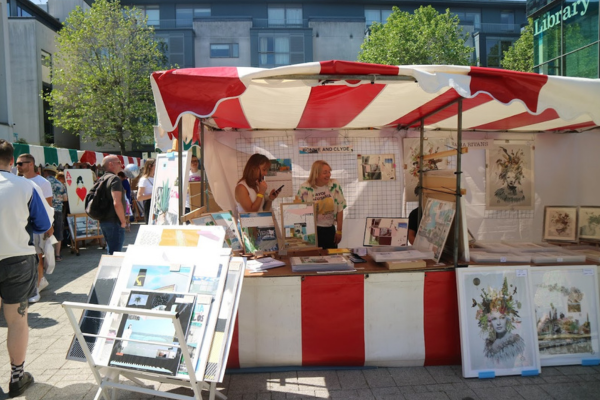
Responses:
[145,185]
[251,188]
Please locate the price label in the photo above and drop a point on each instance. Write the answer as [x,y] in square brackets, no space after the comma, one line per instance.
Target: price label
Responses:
[502,259]
[521,273]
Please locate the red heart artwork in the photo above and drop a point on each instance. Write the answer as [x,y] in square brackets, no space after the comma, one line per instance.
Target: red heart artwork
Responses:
[81,193]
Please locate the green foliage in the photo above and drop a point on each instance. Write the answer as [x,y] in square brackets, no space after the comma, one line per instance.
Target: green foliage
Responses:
[425,37]
[100,77]
[519,57]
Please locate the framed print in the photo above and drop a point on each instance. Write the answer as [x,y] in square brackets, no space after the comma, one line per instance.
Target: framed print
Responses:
[560,224]
[589,223]
[435,226]
[232,234]
[386,232]
[259,232]
[411,162]
[82,227]
[376,167]
[164,208]
[205,220]
[298,225]
[509,177]
[566,313]
[497,328]
[78,183]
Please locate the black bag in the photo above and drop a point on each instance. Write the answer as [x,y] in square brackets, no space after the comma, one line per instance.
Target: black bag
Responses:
[97,201]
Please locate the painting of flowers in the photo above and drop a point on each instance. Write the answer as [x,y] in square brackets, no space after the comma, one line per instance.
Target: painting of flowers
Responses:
[509,177]
[560,224]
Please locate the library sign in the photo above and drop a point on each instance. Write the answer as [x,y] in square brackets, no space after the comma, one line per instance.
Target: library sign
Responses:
[550,19]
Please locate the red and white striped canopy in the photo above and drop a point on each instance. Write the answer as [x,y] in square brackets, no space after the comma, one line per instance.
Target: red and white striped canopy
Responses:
[351,95]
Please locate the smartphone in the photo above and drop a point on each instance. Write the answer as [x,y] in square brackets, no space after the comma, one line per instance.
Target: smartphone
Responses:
[279,190]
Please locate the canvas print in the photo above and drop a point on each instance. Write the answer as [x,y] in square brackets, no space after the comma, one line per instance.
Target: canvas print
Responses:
[81,227]
[258,232]
[411,162]
[566,314]
[232,234]
[164,209]
[78,183]
[589,223]
[497,329]
[386,232]
[280,173]
[560,224]
[376,167]
[298,225]
[509,177]
[159,358]
[434,227]
[162,278]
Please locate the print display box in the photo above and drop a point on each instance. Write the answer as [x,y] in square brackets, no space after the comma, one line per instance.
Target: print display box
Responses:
[497,329]
[566,314]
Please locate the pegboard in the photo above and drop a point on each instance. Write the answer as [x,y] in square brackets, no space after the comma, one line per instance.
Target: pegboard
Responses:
[364,199]
[508,214]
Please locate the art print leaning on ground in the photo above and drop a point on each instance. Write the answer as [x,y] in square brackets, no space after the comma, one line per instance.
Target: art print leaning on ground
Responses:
[497,330]
[435,226]
[589,223]
[509,177]
[560,224]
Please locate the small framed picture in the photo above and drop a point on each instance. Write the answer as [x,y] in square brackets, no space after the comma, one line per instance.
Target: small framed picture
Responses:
[299,225]
[589,223]
[560,224]
[386,232]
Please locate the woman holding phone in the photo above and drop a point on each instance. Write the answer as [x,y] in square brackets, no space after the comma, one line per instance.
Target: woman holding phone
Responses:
[250,192]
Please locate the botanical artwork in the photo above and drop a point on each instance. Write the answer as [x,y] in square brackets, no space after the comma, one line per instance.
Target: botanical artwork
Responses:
[497,325]
[81,227]
[560,223]
[589,223]
[376,167]
[232,234]
[298,225]
[78,183]
[386,232]
[258,232]
[509,177]
[435,226]
[164,209]
[162,278]
[566,313]
[411,162]
[280,174]
[160,358]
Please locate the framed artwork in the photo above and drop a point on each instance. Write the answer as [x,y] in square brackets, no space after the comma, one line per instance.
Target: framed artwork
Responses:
[164,208]
[259,232]
[411,160]
[205,220]
[78,183]
[232,234]
[589,223]
[566,313]
[280,173]
[560,224]
[376,167]
[386,232]
[82,227]
[435,226]
[509,177]
[298,225]
[497,328]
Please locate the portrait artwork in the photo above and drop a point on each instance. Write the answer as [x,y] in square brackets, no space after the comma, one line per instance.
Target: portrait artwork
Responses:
[411,162]
[566,313]
[78,183]
[435,226]
[509,177]
[497,328]
[589,223]
[560,224]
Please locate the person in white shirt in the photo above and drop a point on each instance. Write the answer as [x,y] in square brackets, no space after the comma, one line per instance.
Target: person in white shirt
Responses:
[195,176]
[146,185]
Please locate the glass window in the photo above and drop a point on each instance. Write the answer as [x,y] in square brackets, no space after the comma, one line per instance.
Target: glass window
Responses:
[46,59]
[375,14]
[507,19]
[580,30]
[153,14]
[226,50]
[470,17]
[549,68]
[546,38]
[280,50]
[285,15]
[185,14]
[495,51]
[583,63]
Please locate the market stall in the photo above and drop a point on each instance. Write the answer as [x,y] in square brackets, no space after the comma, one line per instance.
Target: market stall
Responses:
[58,156]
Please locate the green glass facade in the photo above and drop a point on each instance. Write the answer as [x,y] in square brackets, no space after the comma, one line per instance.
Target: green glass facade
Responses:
[566,40]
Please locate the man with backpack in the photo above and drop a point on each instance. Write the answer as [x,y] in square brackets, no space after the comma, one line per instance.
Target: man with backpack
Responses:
[112,220]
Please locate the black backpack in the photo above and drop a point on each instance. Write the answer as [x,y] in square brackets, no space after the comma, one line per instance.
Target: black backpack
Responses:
[97,201]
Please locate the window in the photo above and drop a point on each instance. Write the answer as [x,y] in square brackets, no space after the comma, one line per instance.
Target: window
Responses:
[583,63]
[185,14]
[285,15]
[174,49]
[22,12]
[46,59]
[225,50]
[274,51]
[495,51]
[507,20]
[377,15]
[153,14]
[470,17]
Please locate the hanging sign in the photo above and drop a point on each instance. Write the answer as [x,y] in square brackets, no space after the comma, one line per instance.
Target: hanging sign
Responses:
[326,149]
[474,144]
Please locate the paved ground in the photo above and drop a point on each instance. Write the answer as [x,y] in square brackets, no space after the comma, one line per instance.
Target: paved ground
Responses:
[57,378]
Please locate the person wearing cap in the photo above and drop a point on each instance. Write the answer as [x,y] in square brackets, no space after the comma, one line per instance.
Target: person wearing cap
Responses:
[59,196]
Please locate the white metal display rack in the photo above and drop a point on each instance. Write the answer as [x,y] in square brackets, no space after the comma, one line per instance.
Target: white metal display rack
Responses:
[108,377]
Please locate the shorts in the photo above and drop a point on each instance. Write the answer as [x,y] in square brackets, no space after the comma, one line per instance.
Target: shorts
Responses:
[58,225]
[18,278]
[38,243]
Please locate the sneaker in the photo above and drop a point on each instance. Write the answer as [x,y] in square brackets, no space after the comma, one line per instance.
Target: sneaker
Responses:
[35,298]
[43,284]
[17,388]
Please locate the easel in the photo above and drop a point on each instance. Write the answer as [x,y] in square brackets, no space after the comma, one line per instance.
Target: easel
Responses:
[89,234]
[108,377]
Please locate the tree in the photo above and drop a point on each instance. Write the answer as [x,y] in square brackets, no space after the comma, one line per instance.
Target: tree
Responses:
[519,57]
[425,37]
[101,86]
